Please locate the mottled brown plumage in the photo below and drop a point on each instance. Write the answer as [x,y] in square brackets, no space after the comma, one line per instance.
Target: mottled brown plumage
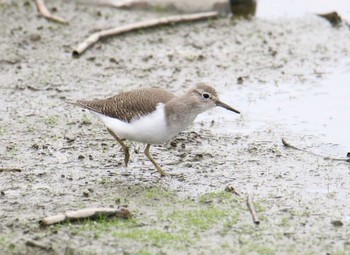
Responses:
[130,105]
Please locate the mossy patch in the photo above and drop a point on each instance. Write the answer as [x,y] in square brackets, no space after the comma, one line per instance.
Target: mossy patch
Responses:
[183,224]
[6,245]
[156,193]
[156,237]
[204,218]
[51,121]
[2,130]
[254,248]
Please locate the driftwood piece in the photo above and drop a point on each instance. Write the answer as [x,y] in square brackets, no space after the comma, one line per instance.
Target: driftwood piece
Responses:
[252,210]
[87,213]
[141,25]
[45,13]
[288,145]
[10,170]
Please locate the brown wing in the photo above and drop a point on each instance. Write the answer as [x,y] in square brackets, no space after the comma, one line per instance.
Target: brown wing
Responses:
[130,105]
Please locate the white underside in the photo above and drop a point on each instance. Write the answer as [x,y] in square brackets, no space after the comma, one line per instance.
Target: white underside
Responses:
[150,129]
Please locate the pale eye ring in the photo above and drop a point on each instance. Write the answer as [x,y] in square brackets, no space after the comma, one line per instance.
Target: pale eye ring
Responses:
[206,95]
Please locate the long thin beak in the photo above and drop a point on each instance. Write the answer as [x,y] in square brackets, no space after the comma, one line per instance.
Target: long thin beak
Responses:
[226,106]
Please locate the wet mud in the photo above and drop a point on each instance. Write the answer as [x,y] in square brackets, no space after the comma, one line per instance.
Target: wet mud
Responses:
[68,161]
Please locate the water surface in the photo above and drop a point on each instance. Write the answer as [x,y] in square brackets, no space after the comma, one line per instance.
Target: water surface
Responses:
[319,108]
[296,8]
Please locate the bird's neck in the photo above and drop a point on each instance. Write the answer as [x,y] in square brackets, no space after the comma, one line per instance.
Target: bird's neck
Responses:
[180,112]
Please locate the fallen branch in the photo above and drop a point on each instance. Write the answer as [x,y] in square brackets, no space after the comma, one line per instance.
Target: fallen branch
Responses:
[141,25]
[252,210]
[288,145]
[10,170]
[87,213]
[45,13]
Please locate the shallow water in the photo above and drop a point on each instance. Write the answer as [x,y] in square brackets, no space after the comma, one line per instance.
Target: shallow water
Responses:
[295,8]
[320,109]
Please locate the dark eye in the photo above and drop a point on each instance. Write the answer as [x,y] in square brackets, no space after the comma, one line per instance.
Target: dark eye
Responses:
[206,95]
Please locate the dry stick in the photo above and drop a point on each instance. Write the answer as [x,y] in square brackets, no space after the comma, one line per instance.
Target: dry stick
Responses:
[231,188]
[45,13]
[288,145]
[87,213]
[252,210]
[10,170]
[141,25]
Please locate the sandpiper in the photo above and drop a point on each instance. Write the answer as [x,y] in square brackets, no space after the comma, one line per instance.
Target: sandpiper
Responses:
[152,115]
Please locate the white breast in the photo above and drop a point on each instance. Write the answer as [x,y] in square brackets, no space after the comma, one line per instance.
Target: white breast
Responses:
[150,129]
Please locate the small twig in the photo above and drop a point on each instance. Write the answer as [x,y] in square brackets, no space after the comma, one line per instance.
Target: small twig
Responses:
[45,13]
[141,25]
[288,145]
[231,188]
[87,213]
[252,210]
[10,170]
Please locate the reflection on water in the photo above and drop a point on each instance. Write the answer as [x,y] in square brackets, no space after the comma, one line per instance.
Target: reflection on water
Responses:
[318,109]
[262,8]
[243,8]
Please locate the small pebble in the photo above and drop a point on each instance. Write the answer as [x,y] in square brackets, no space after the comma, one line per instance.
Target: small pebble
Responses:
[35,146]
[35,37]
[337,223]
[70,138]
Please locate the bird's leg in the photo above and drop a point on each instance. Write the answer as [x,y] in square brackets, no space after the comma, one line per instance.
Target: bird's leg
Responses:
[125,148]
[159,169]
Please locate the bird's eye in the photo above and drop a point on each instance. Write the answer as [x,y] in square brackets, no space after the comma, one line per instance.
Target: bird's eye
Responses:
[206,95]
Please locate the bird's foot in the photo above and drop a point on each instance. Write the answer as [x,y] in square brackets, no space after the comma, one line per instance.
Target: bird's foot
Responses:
[126,156]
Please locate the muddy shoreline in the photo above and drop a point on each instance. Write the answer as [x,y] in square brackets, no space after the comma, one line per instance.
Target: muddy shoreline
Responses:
[69,161]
